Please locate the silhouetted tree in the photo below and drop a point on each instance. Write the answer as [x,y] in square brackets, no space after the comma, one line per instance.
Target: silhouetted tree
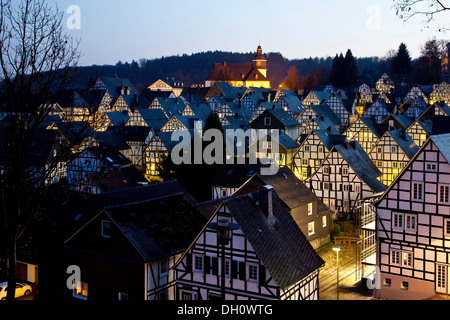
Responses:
[292,79]
[428,70]
[37,59]
[401,62]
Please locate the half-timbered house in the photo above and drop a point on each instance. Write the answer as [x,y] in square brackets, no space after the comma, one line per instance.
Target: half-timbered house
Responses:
[366,131]
[342,105]
[267,258]
[413,226]
[345,177]
[313,149]
[441,93]
[310,214]
[378,109]
[384,84]
[277,118]
[392,152]
[315,97]
[126,251]
[314,111]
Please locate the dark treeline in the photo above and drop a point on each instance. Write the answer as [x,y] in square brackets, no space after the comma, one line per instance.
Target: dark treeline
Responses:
[195,68]
[342,70]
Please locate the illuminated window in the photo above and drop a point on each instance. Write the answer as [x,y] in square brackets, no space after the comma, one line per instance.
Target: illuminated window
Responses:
[324,221]
[310,208]
[80,290]
[310,228]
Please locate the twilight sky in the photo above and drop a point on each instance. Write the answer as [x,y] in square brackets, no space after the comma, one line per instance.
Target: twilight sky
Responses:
[125,30]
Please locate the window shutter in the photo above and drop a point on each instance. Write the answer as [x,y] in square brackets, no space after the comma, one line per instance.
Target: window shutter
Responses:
[242,271]
[207,263]
[234,270]
[262,274]
[189,262]
[215,266]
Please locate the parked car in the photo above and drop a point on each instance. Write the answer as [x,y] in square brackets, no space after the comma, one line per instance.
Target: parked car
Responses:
[22,289]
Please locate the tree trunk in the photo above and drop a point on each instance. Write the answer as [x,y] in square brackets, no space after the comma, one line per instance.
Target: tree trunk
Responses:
[11,266]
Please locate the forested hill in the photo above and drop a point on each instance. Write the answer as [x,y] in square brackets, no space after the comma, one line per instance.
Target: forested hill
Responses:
[194,68]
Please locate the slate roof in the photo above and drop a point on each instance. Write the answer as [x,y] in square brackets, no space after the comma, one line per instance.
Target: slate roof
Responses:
[359,161]
[329,137]
[281,245]
[118,118]
[325,110]
[404,141]
[159,228]
[442,141]
[288,187]
[114,85]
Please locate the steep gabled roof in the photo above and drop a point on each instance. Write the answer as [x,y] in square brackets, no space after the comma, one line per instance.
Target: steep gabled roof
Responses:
[279,243]
[404,141]
[362,165]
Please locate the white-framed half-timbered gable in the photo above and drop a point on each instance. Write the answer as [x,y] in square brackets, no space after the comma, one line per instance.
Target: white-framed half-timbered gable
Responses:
[392,153]
[313,149]
[441,93]
[419,131]
[346,176]
[366,131]
[384,84]
[254,269]
[413,226]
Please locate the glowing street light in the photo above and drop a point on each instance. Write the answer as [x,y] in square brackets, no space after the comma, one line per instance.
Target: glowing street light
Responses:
[337,249]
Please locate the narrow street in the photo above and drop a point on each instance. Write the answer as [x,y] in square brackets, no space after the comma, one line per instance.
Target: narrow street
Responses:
[350,288]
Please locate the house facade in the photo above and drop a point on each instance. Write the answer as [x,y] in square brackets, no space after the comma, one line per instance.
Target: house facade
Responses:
[254,264]
[345,178]
[413,226]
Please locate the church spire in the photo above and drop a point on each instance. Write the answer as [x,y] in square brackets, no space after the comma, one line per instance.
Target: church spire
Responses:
[260,61]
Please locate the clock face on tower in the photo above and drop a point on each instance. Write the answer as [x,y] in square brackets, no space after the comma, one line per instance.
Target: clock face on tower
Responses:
[258,63]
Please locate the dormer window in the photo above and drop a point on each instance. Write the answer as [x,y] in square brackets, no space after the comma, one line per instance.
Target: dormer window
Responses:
[106,228]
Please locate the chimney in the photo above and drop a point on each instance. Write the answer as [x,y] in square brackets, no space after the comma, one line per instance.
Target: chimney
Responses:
[269,191]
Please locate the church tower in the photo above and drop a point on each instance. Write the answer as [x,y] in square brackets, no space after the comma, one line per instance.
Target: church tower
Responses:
[260,62]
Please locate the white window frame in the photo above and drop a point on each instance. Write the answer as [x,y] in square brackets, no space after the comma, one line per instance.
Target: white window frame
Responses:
[324,221]
[445,193]
[397,221]
[410,222]
[252,272]
[417,195]
[310,208]
[105,235]
[198,263]
[345,171]
[447,228]
[395,257]
[311,228]
[431,166]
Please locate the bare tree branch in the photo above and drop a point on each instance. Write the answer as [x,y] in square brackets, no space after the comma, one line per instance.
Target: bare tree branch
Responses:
[430,9]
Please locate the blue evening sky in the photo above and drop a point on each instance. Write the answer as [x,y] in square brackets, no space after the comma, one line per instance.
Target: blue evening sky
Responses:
[125,30]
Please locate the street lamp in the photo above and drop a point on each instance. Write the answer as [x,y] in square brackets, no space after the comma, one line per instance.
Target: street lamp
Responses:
[337,249]
[224,229]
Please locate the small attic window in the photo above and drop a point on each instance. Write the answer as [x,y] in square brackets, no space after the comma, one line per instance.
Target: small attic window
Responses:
[106,229]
